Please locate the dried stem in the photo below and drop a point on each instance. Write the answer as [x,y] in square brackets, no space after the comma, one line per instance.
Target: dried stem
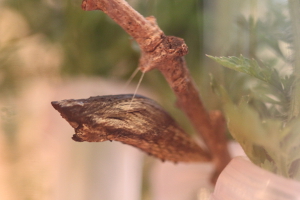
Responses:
[165,53]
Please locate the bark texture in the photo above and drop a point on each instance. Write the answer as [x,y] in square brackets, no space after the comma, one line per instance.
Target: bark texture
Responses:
[141,123]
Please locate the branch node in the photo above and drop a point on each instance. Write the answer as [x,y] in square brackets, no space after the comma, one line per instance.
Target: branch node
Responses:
[89,5]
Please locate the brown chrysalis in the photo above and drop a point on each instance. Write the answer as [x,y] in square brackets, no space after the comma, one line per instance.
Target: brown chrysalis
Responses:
[141,123]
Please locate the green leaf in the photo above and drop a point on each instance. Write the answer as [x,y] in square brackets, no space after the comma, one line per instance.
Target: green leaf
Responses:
[252,68]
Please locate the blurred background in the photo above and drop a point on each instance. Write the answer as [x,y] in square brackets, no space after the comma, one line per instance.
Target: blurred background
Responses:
[52,50]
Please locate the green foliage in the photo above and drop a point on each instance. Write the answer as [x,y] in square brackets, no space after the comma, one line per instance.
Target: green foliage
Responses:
[269,88]
[251,67]
[262,114]
[269,142]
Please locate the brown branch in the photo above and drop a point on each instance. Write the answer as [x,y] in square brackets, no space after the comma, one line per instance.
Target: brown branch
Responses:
[165,53]
[141,123]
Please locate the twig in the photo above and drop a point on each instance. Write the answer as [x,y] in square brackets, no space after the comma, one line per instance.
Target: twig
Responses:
[165,53]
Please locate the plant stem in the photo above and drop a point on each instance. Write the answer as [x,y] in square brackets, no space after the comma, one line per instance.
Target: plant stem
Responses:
[165,53]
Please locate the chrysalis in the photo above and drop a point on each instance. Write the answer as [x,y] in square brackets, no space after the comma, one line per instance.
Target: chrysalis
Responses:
[141,123]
